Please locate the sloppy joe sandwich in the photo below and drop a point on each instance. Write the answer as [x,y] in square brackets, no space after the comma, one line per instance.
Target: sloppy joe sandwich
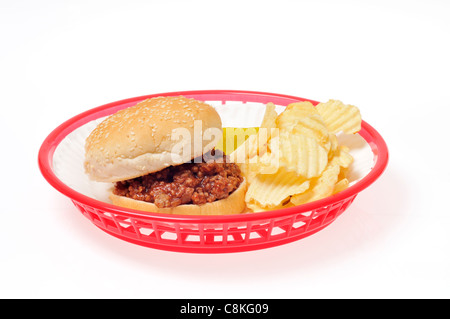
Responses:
[160,156]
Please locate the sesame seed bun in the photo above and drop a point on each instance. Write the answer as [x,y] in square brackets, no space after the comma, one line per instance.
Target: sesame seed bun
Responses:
[139,140]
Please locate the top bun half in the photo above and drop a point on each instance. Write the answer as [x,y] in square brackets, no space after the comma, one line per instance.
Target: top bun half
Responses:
[150,136]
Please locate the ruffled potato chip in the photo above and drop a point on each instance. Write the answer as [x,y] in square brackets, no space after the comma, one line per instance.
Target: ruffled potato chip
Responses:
[270,116]
[302,154]
[321,187]
[333,144]
[341,156]
[265,164]
[303,119]
[255,207]
[272,190]
[341,185]
[340,117]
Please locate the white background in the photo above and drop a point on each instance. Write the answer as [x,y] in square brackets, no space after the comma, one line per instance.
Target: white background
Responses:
[390,58]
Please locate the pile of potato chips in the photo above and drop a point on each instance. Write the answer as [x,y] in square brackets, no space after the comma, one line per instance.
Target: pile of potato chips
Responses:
[294,157]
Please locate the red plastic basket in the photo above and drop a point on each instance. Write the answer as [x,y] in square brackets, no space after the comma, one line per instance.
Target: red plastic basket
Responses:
[209,234]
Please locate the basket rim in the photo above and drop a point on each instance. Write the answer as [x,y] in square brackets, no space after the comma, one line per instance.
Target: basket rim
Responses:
[51,142]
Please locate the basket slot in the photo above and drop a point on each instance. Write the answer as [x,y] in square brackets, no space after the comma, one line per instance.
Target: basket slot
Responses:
[168,236]
[166,231]
[298,225]
[254,235]
[218,238]
[277,231]
[192,238]
[145,231]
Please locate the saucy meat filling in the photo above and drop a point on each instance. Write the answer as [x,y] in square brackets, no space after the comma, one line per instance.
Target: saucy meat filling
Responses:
[189,183]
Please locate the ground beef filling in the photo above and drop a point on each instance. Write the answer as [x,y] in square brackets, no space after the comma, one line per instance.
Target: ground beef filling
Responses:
[189,183]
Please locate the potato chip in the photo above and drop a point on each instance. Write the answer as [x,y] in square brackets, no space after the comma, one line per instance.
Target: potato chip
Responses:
[272,190]
[321,187]
[255,145]
[333,144]
[265,164]
[340,185]
[268,163]
[270,116]
[303,108]
[341,156]
[255,207]
[340,117]
[302,154]
[303,119]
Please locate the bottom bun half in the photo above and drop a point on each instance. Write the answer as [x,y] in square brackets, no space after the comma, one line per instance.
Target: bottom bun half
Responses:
[233,204]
